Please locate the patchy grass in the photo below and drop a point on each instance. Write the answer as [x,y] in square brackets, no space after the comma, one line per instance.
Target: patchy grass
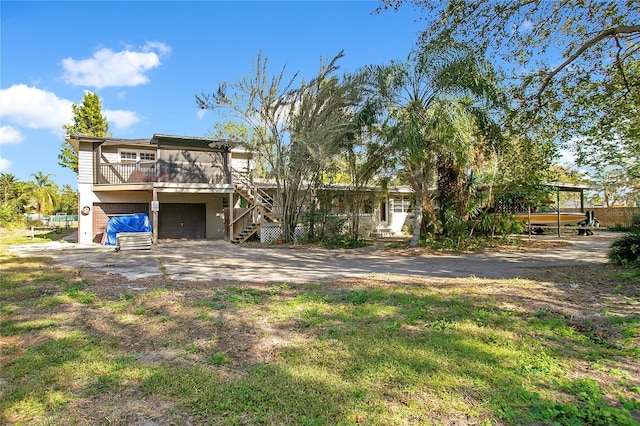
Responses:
[21,235]
[83,347]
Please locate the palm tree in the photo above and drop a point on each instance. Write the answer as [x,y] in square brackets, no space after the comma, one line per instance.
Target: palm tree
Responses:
[433,102]
[44,192]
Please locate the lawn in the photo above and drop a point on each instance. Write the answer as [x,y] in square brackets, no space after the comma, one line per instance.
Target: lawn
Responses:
[81,347]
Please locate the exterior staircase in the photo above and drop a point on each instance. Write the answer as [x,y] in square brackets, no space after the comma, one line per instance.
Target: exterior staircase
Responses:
[247,232]
[257,199]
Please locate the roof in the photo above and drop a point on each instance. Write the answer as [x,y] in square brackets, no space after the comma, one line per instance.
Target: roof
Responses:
[573,187]
[192,141]
[157,139]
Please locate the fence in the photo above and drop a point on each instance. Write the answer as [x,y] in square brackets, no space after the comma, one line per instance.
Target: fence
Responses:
[613,216]
[57,220]
[270,232]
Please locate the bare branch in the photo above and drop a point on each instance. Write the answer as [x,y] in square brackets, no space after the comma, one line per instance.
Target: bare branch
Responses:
[610,32]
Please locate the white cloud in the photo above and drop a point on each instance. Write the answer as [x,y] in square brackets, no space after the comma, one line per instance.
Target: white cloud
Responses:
[162,48]
[9,134]
[525,26]
[34,108]
[4,164]
[200,114]
[107,68]
[120,118]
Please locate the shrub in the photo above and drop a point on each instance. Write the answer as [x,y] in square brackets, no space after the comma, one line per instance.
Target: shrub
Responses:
[625,251]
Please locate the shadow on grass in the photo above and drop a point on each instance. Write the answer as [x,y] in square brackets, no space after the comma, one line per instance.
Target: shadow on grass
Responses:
[334,353]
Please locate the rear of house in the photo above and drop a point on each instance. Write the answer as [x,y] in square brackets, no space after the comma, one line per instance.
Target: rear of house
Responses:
[182,183]
[199,188]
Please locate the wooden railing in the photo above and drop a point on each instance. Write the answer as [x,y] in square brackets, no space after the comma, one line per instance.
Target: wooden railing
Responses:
[260,196]
[121,173]
[241,218]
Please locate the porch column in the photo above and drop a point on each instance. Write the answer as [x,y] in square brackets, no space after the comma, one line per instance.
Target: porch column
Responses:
[155,206]
[97,173]
[228,167]
[230,224]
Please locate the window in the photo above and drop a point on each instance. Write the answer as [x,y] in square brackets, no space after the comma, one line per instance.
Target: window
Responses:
[127,157]
[147,156]
[401,204]
[137,156]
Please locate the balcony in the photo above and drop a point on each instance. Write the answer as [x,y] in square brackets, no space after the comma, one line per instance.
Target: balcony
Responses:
[160,171]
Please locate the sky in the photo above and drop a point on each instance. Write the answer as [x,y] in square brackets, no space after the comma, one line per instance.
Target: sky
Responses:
[147,61]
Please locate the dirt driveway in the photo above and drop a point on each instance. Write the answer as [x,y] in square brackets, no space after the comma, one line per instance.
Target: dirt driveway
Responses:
[219,260]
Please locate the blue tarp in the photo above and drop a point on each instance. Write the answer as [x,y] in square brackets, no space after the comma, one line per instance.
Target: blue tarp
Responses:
[137,222]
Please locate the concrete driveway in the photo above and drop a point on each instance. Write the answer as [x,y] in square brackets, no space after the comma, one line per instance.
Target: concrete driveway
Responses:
[207,260]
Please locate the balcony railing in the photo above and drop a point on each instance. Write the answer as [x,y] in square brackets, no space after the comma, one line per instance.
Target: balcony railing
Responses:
[160,171]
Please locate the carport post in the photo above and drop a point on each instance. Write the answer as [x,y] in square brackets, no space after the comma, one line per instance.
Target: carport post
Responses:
[558,208]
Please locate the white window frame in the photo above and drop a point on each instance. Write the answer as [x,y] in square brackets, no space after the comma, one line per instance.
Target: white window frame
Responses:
[401,204]
[138,155]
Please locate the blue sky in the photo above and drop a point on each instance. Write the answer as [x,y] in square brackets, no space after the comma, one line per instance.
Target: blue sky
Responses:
[147,61]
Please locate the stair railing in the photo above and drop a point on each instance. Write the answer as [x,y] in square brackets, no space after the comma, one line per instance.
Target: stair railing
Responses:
[260,196]
[246,218]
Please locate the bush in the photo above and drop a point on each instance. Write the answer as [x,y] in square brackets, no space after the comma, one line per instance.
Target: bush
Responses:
[625,251]
[342,241]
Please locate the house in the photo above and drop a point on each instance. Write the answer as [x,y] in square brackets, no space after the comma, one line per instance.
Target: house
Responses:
[187,186]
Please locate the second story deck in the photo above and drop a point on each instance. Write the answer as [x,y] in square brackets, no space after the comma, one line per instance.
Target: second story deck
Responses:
[169,160]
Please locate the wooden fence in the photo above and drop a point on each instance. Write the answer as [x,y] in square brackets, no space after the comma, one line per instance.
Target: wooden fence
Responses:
[612,216]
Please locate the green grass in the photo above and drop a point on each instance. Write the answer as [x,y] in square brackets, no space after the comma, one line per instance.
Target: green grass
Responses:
[390,353]
[22,235]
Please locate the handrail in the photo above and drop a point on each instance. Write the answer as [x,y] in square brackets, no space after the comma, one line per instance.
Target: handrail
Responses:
[250,210]
[263,198]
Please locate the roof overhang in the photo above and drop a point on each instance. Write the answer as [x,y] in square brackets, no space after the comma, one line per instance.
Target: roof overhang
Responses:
[573,187]
[194,142]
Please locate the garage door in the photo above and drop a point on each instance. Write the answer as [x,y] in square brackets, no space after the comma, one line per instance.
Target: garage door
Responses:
[182,221]
[102,212]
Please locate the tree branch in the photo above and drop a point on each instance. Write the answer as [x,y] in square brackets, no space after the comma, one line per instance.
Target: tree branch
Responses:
[610,32]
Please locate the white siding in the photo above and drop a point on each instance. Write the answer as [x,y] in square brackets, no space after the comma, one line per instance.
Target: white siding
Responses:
[85,163]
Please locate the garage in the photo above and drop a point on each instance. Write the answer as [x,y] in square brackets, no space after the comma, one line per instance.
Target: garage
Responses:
[182,220]
[103,211]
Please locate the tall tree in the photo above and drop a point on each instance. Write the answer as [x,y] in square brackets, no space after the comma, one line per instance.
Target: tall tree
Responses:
[364,157]
[429,123]
[44,193]
[572,62]
[297,130]
[593,36]
[13,198]
[87,121]
[610,123]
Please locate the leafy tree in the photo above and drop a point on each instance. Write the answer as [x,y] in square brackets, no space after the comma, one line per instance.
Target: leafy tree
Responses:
[574,63]
[8,187]
[44,193]
[13,198]
[67,201]
[610,131]
[364,156]
[230,130]
[433,123]
[87,121]
[297,130]
[594,36]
